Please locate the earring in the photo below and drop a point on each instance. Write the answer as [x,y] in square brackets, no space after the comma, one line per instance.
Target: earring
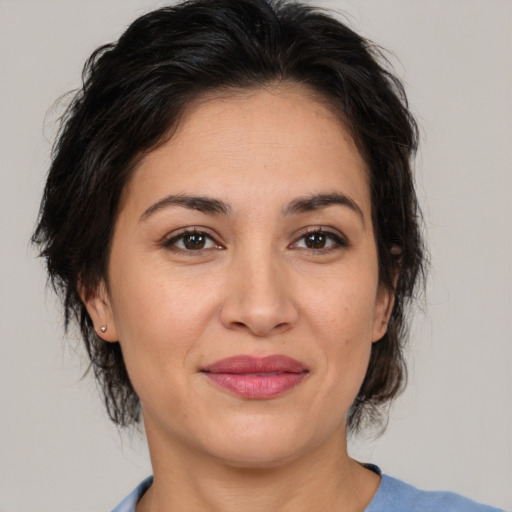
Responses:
[103,328]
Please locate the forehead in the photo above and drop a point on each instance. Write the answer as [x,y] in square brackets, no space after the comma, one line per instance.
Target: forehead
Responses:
[252,142]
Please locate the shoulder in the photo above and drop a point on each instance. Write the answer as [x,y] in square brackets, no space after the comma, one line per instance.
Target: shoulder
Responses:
[130,502]
[395,496]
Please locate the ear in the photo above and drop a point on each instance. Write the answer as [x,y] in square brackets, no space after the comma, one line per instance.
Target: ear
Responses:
[99,308]
[383,308]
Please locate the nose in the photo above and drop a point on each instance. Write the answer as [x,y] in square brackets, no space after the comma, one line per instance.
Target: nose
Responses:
[259,297]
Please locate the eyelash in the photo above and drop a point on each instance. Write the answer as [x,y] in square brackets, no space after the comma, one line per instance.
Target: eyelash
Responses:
[339,241]
[170,243]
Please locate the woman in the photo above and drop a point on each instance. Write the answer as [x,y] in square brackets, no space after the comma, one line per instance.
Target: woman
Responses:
[231,218]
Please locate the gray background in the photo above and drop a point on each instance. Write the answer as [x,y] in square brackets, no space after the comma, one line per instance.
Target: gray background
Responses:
[451,429]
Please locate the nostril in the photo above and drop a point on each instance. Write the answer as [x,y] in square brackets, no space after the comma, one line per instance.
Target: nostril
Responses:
[259,330]
[260,314]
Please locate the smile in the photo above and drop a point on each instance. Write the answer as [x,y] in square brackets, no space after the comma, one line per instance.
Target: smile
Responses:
[256,378]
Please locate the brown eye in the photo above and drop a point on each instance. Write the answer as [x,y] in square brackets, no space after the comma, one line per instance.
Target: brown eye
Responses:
[315,240]
[320,241]
[191,241]
[194,241]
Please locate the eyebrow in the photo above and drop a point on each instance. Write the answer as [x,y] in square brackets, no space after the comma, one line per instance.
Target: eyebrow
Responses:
[216,206]
[319,201]
[200,203]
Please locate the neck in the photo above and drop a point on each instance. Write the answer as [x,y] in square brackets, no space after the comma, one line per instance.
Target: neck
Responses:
[325,479]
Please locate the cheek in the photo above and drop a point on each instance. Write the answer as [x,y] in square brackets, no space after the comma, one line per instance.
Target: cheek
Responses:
[160,320]
[344,309]
[342,317]
[153,296]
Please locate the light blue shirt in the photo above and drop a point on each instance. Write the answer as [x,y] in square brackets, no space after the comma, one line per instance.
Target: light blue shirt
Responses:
[392,496]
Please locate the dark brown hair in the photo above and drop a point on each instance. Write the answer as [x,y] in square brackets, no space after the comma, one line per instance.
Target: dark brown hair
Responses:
[132,96]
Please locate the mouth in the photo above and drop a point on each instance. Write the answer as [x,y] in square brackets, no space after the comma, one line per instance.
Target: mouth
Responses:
[256,378]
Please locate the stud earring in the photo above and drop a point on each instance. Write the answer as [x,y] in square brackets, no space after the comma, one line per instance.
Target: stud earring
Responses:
[103,328]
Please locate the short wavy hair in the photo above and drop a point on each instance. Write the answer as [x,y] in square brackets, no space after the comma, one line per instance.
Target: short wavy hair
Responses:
[132,96]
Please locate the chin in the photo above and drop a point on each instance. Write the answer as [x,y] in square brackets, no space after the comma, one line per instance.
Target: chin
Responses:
[265,445]
[258,456]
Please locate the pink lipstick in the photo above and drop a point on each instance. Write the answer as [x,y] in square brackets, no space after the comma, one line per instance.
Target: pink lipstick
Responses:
[256,377]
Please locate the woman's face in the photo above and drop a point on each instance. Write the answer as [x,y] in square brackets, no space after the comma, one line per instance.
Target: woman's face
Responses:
[243,280]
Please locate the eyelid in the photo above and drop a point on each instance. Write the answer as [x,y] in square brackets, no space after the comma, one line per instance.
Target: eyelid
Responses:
[170,238]
[341,241]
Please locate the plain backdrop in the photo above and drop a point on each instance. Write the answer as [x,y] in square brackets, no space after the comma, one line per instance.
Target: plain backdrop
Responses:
[450,430]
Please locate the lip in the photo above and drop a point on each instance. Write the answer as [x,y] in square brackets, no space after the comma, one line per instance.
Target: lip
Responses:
[256,377]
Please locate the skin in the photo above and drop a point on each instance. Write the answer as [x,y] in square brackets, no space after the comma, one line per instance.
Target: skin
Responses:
[254,288]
